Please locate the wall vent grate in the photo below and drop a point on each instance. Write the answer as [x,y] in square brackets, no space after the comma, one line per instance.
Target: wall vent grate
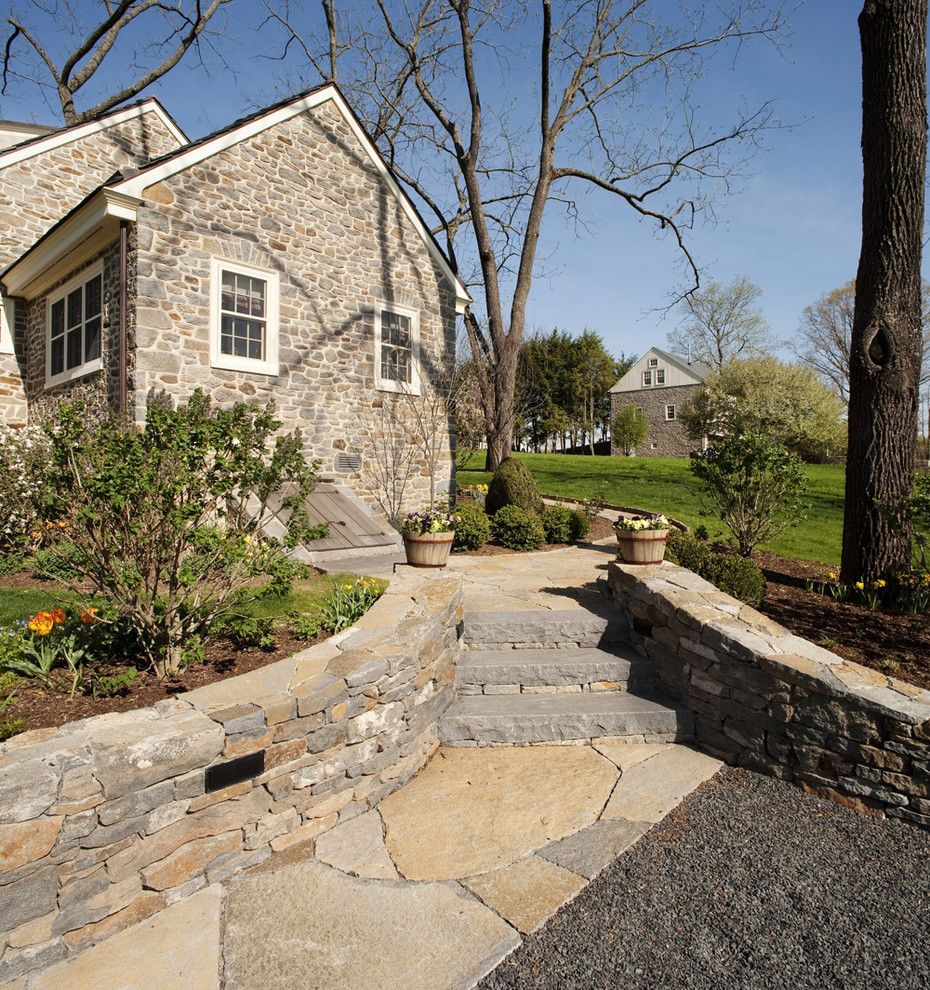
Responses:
[234,771]
[348,462]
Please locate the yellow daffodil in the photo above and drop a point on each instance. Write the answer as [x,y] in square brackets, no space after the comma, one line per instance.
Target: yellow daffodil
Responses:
[860,585]
[880,583]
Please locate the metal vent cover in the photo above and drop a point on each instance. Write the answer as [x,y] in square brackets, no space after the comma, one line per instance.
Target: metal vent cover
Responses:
[348,462]
[234,771]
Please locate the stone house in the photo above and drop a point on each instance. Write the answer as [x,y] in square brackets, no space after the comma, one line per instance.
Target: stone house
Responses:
[277,258]
[659,384]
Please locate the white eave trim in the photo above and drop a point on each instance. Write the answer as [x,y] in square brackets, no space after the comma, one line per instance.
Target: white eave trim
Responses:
[87,231]
[136,184]
[20,153]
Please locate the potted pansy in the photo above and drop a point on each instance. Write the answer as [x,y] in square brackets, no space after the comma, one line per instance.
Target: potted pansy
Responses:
[642,539]
[428,535]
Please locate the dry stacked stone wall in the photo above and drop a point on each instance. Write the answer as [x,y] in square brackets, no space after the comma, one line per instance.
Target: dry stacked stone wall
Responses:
[771,701]
[106,821]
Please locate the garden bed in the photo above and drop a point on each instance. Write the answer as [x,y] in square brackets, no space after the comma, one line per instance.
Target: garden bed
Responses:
[601,529]
[894,644]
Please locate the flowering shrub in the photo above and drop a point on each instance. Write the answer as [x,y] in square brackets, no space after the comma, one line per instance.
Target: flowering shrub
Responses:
[24,461]
[637,524]
[60,638]
[438,519]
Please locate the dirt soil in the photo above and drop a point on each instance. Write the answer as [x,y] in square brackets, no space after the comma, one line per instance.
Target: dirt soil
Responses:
[892,643]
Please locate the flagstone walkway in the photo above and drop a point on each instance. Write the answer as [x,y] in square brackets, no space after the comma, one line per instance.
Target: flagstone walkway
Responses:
[434,887]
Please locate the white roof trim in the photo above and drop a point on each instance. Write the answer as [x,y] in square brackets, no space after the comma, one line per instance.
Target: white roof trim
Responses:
[178,162]
[20,153]
[697,370]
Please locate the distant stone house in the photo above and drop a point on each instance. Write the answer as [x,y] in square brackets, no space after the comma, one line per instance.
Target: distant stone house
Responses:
[276,259]
[659,384]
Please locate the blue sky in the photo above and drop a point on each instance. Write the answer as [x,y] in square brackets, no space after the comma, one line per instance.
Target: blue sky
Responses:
[791,226]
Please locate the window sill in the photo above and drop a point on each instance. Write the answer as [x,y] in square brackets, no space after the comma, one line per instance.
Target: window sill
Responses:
[247,366]
[398,388]
[82,371]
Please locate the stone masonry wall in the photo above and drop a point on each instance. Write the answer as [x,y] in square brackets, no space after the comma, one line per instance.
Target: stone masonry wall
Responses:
[37,192]
[771,701]
[106,821]
[669,436]
[302,199]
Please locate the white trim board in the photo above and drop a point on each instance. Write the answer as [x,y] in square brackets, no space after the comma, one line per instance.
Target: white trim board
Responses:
[20,153]
[149,175]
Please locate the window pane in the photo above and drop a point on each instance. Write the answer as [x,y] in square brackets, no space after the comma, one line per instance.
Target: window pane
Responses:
[242,338]
[243,294]
[58,318]
[92,339]
[92,291]
[395,329]
[58,354]
[74,308]
[74,348]
[403,367]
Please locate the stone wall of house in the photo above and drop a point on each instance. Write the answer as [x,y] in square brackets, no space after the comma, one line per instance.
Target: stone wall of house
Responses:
[666,438]
[771,701]
[35,194]
[99,389]
[301,199]
[107,821]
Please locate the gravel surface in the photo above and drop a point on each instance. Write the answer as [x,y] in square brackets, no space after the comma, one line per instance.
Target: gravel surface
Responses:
[749,885]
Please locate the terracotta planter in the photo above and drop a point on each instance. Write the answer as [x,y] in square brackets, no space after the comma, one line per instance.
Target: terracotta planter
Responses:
[428,549]
[644,546]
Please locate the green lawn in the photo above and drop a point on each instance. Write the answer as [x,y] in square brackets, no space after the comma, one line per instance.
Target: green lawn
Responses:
[663,484]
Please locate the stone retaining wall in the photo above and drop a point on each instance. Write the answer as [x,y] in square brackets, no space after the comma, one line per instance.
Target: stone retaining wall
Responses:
[106,821]
[771,701]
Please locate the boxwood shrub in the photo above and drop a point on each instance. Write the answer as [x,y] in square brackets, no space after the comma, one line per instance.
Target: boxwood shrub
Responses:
[512,484]
[733,575]
[473,528]
[557,522]
[517,529]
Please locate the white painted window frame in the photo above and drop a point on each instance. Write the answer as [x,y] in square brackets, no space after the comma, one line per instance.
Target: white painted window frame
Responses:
[653,362]
[658,372]
[674,408]
[7,325]
[386,384]
[647,378]
[89,367]
[269,365]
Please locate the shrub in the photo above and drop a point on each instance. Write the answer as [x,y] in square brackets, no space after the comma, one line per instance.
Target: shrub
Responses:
[628,429]
[517,529]
[24,460]
[735,576]
[580,525]
[754,484]
[557,522]
[473,528]
[512,484]
[168,518]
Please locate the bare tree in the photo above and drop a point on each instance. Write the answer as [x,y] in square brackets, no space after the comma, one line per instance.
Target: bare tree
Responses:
[606,108]
[388,460]
[885,353]
[176,27]
[722,323]
[825,335]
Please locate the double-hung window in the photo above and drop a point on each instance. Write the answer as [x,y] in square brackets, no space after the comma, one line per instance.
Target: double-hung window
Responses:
[660,376]
[397,349]
[75,324]
[671,413]
[243,318]
[647,378]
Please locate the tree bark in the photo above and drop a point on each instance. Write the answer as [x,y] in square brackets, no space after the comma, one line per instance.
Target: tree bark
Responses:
[886,338]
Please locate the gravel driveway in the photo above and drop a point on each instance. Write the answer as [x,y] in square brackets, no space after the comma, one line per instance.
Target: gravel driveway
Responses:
[750,884]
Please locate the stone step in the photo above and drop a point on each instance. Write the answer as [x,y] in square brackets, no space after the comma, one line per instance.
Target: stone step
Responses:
[543,628]
[518,719]
[618,669]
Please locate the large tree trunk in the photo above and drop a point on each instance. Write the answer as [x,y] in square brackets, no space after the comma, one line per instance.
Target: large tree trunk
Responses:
[886,340]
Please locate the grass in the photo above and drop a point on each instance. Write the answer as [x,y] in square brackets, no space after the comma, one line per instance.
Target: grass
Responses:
[663,484]
[20,603]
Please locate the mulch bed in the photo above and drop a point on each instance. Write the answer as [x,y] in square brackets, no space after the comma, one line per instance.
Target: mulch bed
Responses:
[601,529]
[892,643]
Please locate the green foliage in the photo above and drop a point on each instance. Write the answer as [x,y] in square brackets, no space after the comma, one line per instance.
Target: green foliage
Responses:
[733,575]
[787,403]
[753,484]
[9,725]
[306,625]
[557,522]
[24,462]
[247,631]
[168,518]
[113,685]
[580,525]
[517,529]
[192,653]
[512,484]
[349,602]
[629,429]
[58,562]
[473,528]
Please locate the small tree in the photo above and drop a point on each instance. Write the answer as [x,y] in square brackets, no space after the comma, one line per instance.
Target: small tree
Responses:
[629,429]
[168,519]
[753,484]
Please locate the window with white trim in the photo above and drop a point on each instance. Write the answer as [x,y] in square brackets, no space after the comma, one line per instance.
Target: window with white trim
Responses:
[397,349]
[660,376]
[653,362]
[647,379]
[671,413]
[243,318]
[75,326]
